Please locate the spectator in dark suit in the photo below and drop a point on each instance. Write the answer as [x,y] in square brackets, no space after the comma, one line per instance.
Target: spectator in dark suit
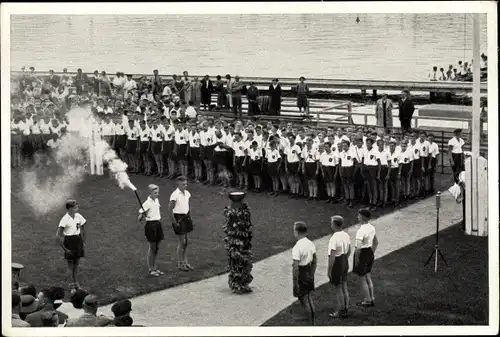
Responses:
[406,110]
[206,92]
[54,79]
[252,95]
[275,94]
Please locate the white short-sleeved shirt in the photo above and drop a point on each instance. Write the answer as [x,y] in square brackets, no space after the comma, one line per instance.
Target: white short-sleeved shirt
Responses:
[405,157]
[384,157]
[222,140]
[300,140]
[152,208]
[415,149]
[329,159]
[433,149]
[194,139]
[229,140]
[359,153]
[191,112]
[144,134]
[346,158]
[255,154]
[44,128]
[71,225]
[457,145]
[156,134]
[132,132]
[339,242]
[108,129]
[181,201]
[424,148]
[293,153]
[304,251]
[273,155]
[394,159]
[371,157]
[239,148]
[365,234]
[310,155]
[181,137]
[35,129]
[169,133]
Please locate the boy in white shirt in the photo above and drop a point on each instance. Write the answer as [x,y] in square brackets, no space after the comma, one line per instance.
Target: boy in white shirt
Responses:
[366,245]
[456,153]
[329,161]
[433,153]
[292,165]
[339,249]
[304,268]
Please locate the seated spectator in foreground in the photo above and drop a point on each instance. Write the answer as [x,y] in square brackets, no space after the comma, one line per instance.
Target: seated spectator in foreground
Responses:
[121,310]
[89,318]
[17,322]
[46,300]
[29,305]
[49,319]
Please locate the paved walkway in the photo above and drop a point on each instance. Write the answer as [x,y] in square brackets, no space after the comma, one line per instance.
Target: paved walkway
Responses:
[209,302]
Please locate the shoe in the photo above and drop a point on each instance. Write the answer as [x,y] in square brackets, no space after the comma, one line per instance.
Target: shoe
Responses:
[338,314]
[153,273]
[182,267]
[188,266]
[159,272]
[366,304]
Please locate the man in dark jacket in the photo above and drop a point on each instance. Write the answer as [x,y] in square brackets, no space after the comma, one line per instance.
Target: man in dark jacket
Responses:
[406,110]
[252,95]
[206,92]
[54,79]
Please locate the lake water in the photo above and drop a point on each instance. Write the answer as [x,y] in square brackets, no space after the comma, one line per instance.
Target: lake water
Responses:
[380,46]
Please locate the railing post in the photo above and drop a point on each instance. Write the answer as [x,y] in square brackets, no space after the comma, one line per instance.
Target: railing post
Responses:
[349,113]
[442,152]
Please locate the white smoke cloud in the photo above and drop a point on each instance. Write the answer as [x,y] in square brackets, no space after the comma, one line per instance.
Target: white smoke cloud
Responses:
[45,189]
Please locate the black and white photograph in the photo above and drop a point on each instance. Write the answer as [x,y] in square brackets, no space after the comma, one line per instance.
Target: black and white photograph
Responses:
[249,169]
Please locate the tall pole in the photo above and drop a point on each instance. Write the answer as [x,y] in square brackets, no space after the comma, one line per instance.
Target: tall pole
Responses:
[476,116]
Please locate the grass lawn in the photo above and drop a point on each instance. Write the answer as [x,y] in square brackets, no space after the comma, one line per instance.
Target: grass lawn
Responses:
[407,293]
[115,261]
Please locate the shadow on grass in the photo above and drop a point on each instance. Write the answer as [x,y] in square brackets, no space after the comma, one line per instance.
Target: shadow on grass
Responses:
[407,293]
[115,262]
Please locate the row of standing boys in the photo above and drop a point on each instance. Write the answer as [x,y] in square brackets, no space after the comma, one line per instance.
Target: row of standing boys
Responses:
[349,166]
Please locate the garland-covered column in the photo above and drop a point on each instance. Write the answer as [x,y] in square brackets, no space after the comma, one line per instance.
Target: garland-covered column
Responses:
[238,242]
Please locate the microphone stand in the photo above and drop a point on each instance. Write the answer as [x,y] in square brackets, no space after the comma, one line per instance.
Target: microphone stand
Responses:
[436,250]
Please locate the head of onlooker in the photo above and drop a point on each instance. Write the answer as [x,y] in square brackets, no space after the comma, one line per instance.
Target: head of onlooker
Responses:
[79,295]
[121,311]
[17,321]
[49,319]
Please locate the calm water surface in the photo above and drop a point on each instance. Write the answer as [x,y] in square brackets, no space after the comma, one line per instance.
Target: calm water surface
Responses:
[380,46]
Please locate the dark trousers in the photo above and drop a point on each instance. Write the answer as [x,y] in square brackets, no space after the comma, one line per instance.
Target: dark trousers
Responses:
[253,108]
[405,124]
[237,105]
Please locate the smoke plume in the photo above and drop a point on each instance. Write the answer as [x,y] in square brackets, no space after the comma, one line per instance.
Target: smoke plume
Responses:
[46,188]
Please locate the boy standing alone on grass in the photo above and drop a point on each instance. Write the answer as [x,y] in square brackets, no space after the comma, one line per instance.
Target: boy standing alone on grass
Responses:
[153,229]
[304,267]
[366,244]
[339,249]
[71,237]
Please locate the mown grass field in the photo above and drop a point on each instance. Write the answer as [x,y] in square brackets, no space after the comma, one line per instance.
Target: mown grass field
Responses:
[115,261]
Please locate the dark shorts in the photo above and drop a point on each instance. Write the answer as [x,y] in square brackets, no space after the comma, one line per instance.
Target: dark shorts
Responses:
[120,141]
[220,157]
[74,244]
[184,224]
[153,231]
[405,170]
[339,270]
[181,152]
[347,174]
[393,176]
[168,148]
[195,153]
[272,169]
[371,172]
[156,148]
[426,166]
[293,168]
[131,146]
[365,264]
[310,171]
[255,167]
[417,168]
[432,167]
[301,101]
[306,281]
[144,148]
[329,174]
[383,172]
[238,162]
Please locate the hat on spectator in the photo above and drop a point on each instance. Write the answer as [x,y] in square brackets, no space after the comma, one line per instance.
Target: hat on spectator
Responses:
[29,304]
[91,301]
[365,213]
[77,298]
[121,308]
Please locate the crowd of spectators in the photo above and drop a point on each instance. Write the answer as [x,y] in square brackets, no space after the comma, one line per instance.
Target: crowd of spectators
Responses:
[40,309]
[460,72]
